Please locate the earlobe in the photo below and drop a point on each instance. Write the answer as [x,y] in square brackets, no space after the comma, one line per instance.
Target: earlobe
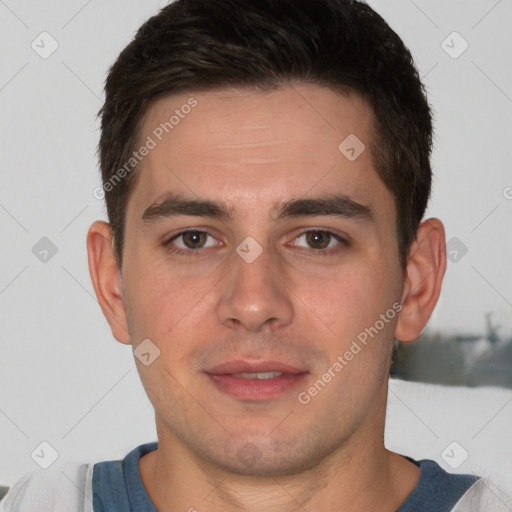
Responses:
[424,276]
[106,279]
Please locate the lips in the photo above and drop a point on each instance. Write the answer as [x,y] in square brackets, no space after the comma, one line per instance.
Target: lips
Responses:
[255,381]
[241,366]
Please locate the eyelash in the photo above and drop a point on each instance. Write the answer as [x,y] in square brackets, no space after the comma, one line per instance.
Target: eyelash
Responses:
[311,252]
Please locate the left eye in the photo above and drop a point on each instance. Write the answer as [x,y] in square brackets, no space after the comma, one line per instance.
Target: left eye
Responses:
[320,239]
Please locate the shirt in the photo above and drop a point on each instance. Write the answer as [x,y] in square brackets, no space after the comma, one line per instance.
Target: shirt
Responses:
[116,486]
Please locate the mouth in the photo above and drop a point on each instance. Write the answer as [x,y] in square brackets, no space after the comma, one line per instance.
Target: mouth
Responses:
[258,375]
[259,381]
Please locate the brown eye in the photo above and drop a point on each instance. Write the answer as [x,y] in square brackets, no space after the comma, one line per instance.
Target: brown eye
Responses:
[191,241]
[318,239]
[193,238]
[320,242]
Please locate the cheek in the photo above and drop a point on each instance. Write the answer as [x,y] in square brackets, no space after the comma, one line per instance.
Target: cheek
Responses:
[147,297]
[359,340]
[168,307]
[154,297]
[347,301]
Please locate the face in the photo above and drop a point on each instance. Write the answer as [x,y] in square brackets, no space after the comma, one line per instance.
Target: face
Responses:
[294,263]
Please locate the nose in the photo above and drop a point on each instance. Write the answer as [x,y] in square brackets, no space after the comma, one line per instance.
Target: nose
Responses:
[255,294]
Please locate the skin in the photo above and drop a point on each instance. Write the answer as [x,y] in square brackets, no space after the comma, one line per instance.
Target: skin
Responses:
[255,150]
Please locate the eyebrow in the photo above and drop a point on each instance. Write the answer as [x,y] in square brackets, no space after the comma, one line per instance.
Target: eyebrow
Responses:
[338,205]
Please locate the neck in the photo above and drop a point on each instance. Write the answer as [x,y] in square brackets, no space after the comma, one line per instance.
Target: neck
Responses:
[361,475]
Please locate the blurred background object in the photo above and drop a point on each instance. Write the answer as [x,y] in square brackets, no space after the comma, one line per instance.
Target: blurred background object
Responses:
[459,359]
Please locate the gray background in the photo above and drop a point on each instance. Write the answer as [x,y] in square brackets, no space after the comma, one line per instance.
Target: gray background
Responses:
[63,378]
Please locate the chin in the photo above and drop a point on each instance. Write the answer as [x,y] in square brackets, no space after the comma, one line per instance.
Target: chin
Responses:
[267,457]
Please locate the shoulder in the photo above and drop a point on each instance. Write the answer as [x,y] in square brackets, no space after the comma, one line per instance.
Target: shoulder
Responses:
[483,495]
[436,489]
[63,487]
[456,492]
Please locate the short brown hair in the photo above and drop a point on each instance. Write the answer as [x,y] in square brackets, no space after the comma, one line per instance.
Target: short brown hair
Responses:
[201,45]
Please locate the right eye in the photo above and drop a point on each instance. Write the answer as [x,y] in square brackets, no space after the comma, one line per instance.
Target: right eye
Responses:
[190,238]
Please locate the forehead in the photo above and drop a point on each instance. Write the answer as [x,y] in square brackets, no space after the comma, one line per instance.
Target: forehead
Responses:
[249,147]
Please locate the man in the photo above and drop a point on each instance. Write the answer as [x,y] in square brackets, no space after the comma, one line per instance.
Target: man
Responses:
[266,170]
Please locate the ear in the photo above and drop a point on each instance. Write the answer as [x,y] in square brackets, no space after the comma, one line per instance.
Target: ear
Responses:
[424,276]
[106,279]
